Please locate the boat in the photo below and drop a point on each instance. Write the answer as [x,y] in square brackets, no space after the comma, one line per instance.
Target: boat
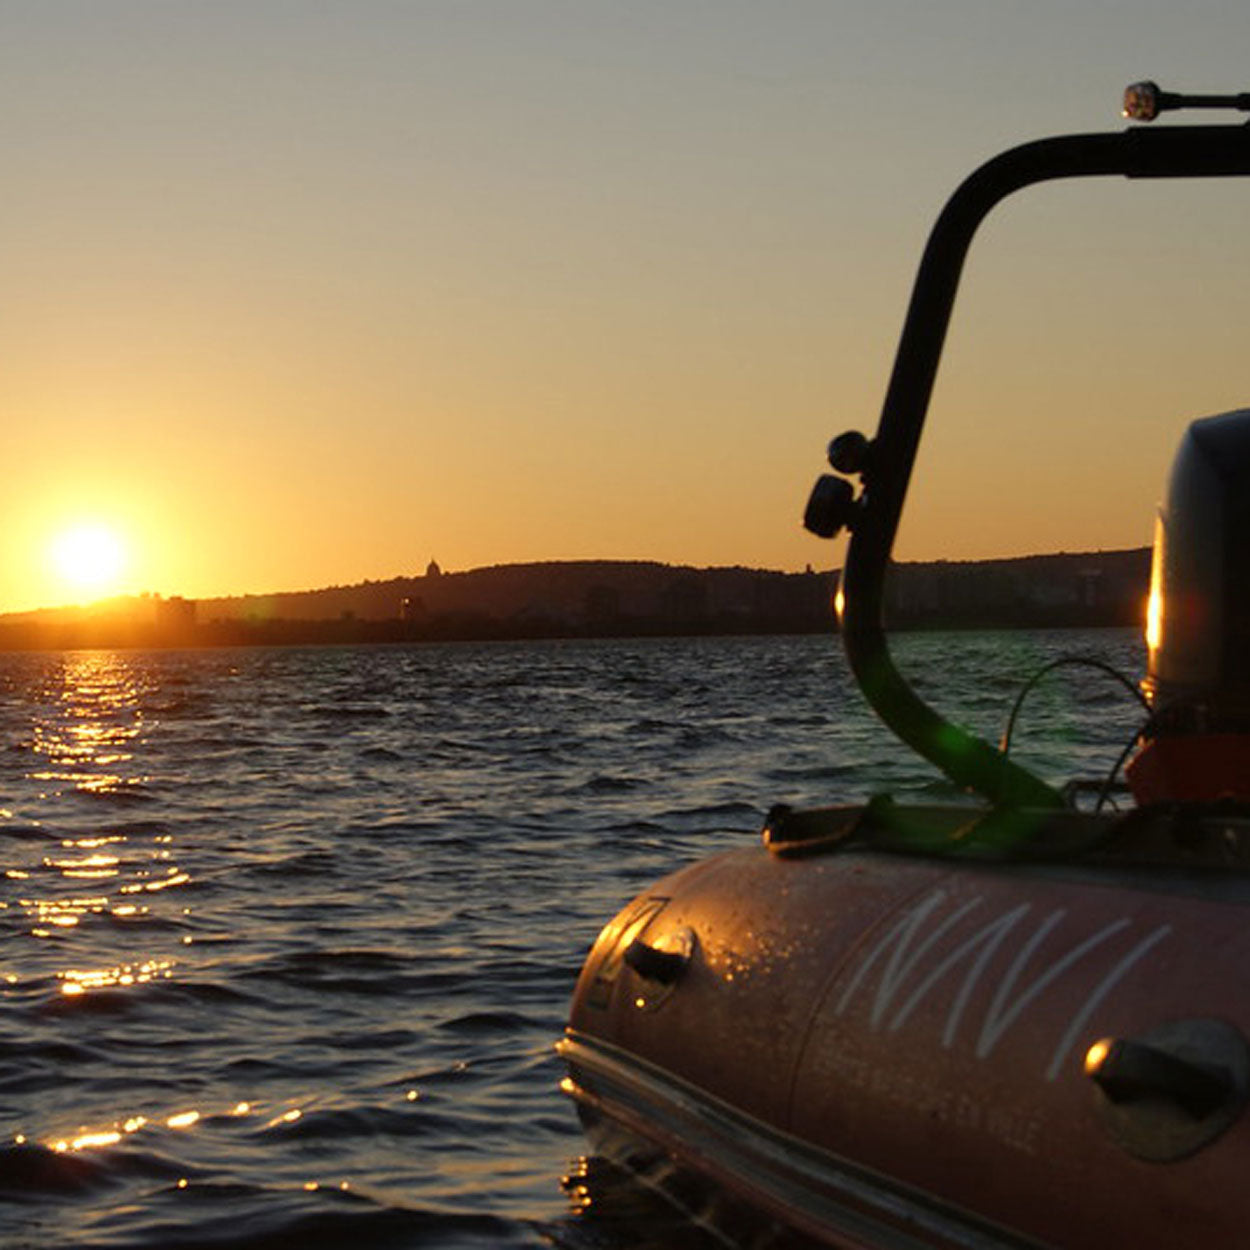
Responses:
[1015,1021]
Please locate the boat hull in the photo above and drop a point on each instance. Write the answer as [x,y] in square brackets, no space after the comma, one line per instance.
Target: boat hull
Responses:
[892,1051]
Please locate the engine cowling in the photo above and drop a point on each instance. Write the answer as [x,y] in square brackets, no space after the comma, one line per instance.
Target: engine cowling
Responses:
[1198,623]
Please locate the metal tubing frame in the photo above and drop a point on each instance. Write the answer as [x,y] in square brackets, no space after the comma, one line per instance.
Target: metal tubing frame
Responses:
[1172,152]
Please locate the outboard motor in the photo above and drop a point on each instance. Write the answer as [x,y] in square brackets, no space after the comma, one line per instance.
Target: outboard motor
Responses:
[1197,746]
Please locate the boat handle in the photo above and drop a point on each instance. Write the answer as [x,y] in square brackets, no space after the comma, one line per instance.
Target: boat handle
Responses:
[653,964]
[1172,1090]
[1130,1071]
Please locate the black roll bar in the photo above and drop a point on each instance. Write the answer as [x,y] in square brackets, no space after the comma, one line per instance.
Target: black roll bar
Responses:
[1175,152]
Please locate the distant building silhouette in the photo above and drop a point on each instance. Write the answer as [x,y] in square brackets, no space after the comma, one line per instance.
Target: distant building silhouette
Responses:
[174,613]
[610,597]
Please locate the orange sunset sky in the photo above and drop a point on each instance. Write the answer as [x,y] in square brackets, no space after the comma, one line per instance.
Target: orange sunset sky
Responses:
[305,293]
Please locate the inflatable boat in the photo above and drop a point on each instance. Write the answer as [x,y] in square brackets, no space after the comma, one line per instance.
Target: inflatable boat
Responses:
[1019,1021]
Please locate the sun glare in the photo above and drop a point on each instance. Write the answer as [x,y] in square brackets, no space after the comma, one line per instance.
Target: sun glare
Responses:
[88,558]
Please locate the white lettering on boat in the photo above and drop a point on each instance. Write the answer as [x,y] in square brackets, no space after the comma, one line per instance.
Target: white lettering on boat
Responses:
[921,954]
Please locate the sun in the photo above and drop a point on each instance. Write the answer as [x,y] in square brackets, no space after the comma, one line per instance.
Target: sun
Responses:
[88,558]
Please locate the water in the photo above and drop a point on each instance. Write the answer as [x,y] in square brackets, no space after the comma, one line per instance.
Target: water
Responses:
[288,934]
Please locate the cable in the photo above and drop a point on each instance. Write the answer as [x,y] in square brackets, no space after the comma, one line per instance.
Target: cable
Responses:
[1076,661]
[1086,661]
[1142,730]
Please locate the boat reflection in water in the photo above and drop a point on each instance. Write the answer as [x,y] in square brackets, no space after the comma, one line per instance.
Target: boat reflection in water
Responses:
[1019,1020]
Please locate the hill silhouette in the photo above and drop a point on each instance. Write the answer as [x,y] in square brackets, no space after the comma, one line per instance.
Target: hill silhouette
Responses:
[592,598]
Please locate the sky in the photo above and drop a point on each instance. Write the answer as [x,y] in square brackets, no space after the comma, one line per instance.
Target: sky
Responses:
[301,294]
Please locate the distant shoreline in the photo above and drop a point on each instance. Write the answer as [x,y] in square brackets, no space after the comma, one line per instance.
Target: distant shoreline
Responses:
[334,634]
[606,599]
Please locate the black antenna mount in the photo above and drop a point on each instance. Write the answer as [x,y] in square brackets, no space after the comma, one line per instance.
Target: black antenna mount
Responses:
[1144,101]
[884,464]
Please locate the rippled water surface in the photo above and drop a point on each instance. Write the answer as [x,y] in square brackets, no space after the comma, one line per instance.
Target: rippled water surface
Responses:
[288,934]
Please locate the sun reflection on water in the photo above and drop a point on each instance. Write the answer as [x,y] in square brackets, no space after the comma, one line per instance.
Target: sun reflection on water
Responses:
[76,981]
[92,723]
[87,724]
[103,1136]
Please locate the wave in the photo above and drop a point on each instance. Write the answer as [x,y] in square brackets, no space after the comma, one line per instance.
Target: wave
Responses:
[391,862]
